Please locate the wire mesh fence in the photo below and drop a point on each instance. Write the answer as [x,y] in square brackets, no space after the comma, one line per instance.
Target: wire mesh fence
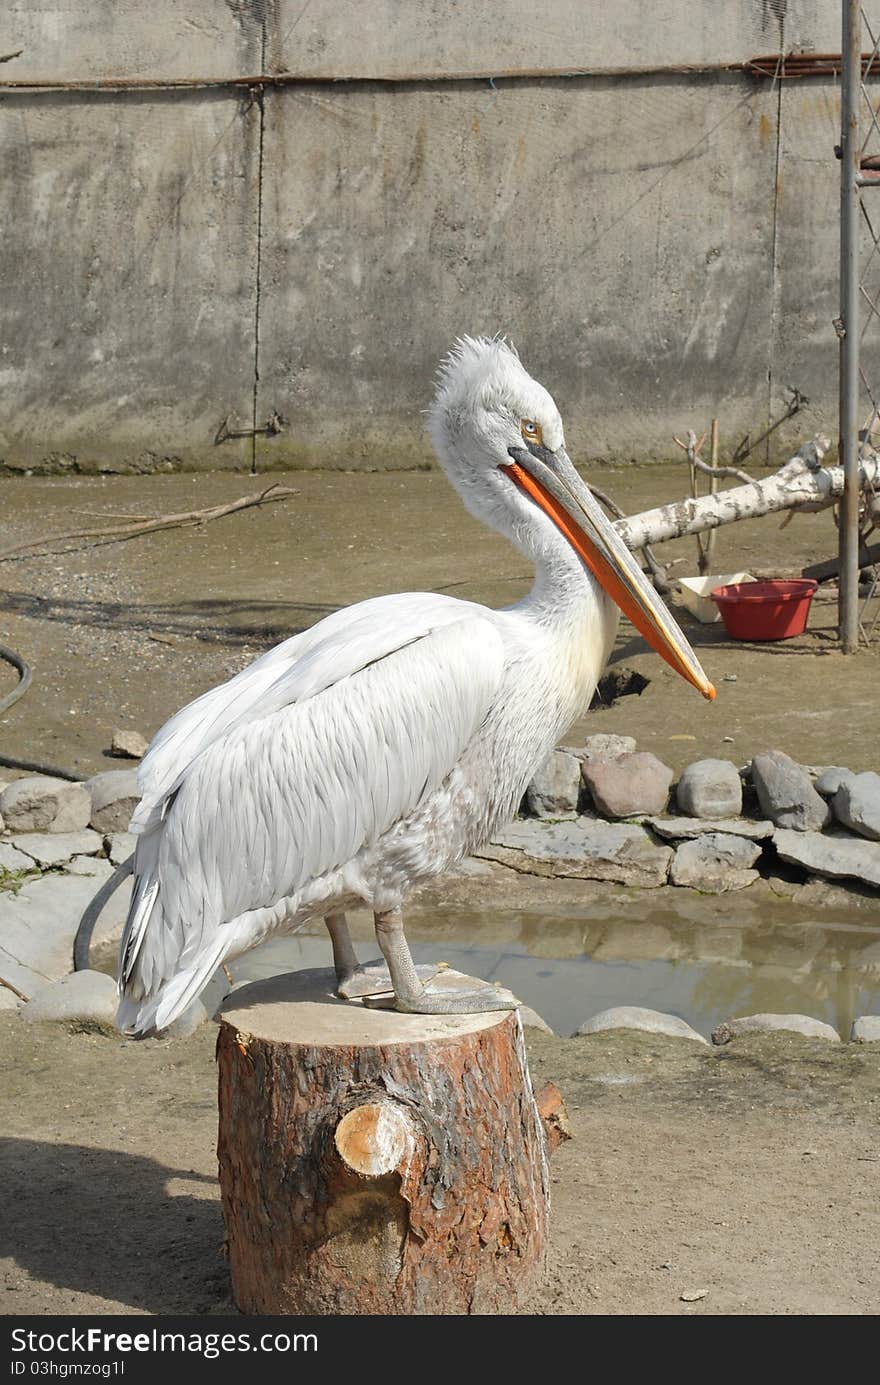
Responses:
[859,151]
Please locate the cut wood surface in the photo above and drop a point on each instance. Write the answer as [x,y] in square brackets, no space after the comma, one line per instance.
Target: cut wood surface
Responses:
[373,1162]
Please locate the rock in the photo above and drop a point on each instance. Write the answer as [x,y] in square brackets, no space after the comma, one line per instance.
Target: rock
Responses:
[786,795]
[57,848]
[710,789]
[8,999]
[604,746]
[677,828]
[39,922]
[193,1017]
[13,860]
[114,797]
[866,1030]
[119,846]
[830,780]
[857,805]
[469,868]
[631,784]
[814,772]
[771,1024]
[715,863]
[202,1009]
[216,991]
[556,788]
[635,1017]
[82,995]
[634,939]
[532,1020]
[587,849]
[129,745]
[39,803]
[98,867]
[831,854]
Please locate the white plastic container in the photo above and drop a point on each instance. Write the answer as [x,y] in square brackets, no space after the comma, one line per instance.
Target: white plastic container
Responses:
[694,592]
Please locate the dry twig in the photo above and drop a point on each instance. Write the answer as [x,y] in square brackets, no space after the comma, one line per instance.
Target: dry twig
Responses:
[692,448]
[139,526]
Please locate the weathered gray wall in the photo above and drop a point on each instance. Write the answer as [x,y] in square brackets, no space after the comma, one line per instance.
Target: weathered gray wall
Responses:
[660,245]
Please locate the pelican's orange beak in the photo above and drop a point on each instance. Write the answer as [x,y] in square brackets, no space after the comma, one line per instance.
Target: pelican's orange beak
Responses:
[551,481]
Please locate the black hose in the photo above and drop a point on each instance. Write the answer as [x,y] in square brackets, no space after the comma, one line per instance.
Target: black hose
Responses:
[83,940]
[37,767]
[26,675]
[25,672]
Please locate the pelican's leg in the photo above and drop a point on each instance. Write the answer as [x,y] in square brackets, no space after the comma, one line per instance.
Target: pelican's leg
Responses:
[345,960]
[353,979]
[411,996]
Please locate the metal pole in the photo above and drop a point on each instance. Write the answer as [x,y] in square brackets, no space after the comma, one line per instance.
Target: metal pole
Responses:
[850,93]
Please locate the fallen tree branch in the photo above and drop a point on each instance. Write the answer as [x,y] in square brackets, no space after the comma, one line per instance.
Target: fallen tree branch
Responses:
[802,483]
[713,471]
[140,526]
[822,572]
[656,569]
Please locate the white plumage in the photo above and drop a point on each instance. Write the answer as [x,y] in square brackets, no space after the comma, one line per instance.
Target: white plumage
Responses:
[371,752]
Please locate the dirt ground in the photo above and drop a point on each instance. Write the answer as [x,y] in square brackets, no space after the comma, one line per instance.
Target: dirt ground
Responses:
[748,1172]
[122,635]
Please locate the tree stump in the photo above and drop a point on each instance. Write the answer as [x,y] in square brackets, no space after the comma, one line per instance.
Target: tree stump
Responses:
[373,1162]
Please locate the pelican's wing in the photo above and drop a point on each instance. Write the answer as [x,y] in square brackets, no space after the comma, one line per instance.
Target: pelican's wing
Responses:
[290,794]
[298,668]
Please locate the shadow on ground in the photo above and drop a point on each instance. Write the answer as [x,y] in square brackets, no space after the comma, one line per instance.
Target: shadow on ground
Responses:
[233,622]
[112,1225]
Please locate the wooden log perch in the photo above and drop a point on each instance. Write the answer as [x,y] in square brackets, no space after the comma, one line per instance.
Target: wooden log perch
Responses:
[373,1162]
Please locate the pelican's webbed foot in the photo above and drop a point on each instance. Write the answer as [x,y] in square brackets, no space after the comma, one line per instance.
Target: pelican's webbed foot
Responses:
[476,1001]
[373,979]
[411,997]
[356,980]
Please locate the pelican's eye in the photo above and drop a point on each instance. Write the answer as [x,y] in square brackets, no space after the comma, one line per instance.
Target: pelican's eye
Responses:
[531,431]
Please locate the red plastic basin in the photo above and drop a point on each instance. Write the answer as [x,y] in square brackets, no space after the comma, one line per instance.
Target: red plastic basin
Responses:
[765,610]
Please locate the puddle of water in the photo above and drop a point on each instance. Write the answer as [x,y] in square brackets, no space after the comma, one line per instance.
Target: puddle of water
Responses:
[704,960]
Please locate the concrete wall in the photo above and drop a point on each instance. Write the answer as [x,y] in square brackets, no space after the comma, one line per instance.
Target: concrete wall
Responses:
[661,245]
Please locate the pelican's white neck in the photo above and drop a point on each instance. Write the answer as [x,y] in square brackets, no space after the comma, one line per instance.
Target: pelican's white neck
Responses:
[566,596]
[579,623]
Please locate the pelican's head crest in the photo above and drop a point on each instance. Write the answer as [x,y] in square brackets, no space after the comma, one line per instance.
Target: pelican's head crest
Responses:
[484,396]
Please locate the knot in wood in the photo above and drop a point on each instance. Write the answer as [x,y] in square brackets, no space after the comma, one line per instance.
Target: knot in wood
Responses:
[376,1138]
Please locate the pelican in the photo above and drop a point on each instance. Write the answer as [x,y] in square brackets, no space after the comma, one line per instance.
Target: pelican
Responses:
[369,754]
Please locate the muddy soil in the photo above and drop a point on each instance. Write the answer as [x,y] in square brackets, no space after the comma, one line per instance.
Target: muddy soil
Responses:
[748,1174]
[122,635]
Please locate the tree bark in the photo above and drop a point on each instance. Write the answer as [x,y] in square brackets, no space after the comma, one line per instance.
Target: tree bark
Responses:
[373,1162]
[802,482]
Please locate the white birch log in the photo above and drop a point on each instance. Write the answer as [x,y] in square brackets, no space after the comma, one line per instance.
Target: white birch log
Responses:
[803,483]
